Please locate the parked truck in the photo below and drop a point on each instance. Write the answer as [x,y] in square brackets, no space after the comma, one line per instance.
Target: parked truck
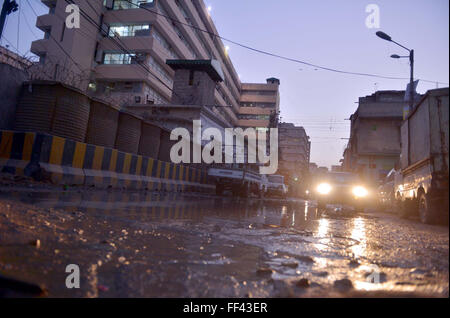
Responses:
[240,181]
[422,187]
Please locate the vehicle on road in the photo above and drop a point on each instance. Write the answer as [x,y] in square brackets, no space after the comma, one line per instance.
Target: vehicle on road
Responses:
[423,186]
[263,185]
[386,191]
[341,188]
[276,186]
[241,182]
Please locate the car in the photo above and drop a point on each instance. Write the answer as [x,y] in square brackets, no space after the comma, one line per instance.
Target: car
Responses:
[276,186]
[342,188]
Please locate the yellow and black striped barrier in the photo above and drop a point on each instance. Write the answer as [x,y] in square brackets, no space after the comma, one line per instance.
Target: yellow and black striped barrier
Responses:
[69,162]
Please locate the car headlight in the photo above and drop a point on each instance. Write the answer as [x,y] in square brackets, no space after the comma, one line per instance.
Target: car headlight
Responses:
[360,192]
[324,188]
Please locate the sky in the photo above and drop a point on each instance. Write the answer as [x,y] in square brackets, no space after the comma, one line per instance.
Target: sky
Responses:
[328,33]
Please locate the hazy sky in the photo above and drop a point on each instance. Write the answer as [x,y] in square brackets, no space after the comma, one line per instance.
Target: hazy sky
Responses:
[328,33]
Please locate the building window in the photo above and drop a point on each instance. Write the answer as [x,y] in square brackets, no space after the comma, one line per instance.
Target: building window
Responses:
[62,32]
[42,58]
[118,58]
[255,117]
[129,30]
[48,33]
[160,70]
[158,37]
[131,4]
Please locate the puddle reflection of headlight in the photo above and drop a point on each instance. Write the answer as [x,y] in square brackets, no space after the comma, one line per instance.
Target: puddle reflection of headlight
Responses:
[324,188]
[360,192]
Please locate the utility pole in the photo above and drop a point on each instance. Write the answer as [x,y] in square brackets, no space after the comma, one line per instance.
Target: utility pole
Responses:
[411,81]
[9,6]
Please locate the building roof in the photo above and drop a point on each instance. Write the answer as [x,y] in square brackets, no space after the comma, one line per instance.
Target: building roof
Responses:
[444,91]
[212,67]
[273,79]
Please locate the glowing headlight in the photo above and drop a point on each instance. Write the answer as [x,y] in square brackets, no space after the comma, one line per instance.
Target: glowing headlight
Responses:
[360,192]
[324,188]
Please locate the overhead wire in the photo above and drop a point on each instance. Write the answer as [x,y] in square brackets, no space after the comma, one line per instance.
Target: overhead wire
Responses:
[274,54]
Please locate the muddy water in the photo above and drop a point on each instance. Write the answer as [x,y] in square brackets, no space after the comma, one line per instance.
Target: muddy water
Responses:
[156,245]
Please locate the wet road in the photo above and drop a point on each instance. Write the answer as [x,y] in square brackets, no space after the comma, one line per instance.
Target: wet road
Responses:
[155,245]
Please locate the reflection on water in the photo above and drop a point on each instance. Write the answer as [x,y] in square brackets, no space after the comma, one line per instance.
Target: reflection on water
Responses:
[359,235]
[158,207]
[323,241]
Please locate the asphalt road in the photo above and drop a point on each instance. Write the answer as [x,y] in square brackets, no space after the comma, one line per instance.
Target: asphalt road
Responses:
[156,245]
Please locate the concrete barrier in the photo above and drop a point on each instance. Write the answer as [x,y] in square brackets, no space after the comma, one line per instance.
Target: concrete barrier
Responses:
[67,162]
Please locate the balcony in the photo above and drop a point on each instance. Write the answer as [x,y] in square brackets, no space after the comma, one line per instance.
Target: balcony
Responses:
[253,123]
[132,43]
[250,98]
[132,16]
[131,73]
[39,46]
[255,111]
[45,21]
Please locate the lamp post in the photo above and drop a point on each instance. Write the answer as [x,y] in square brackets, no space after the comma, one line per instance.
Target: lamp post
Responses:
[386,37]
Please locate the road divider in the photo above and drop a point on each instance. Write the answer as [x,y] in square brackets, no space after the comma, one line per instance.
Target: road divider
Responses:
[66,162]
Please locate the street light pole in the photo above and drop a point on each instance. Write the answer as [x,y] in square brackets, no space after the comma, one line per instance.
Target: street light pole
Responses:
[411,81]
[386,37]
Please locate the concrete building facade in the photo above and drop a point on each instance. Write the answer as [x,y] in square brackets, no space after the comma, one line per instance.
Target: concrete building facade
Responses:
[294,155]
[122,47]
[374,146]
[260,104]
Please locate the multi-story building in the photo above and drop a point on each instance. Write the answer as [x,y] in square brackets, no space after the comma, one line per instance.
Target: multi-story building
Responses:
[122,47]
[374,145]
[312,167]
[336,168]
[294,154]
[260,104]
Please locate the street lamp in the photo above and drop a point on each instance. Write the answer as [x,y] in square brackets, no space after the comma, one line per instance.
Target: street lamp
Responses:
[386,37]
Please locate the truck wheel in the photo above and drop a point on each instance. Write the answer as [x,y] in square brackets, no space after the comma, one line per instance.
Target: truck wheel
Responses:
[427,212]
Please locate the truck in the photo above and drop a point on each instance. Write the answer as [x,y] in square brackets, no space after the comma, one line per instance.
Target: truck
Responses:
[422,185]
[276,186]
[240,181]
